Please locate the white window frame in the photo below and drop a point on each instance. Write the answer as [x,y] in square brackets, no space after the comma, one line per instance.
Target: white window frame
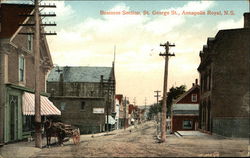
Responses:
[21,78]
[194,97]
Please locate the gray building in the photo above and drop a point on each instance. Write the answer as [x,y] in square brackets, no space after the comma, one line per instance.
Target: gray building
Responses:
[224,79]
[84,95]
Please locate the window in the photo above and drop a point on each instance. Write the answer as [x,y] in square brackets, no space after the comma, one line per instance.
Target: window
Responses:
[21,68]
[83,106]
[30,42]
[63,104]
[187,124]
[194,98]
[28,124]
[91,93]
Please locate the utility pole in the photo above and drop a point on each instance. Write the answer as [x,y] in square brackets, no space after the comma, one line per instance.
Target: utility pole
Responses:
[157,96]
[108,85]
[38,132]
[164,101]
[38,26]
[145,108]
[134,101]
[124,109]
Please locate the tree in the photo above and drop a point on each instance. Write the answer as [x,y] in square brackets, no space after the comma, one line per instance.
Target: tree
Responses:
[174,93]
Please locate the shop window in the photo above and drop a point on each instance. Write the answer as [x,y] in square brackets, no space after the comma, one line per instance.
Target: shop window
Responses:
[28,123]
[187,124]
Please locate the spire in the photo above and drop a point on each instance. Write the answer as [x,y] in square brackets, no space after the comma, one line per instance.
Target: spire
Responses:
[114,54]
[113,64]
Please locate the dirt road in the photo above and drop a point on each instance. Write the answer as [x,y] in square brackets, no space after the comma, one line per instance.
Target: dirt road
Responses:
[139,142]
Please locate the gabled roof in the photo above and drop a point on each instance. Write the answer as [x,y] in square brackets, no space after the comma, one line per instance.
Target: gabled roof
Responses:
[10,17]
[79,74]
[185,94]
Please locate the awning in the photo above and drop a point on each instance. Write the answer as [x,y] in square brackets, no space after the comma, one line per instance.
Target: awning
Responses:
[111,120]
[47,107]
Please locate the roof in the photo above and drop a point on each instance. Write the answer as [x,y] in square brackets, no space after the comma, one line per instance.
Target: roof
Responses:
[119,97]
[79,74]
[185,94]
[10,17]
[47,107]
[185,107]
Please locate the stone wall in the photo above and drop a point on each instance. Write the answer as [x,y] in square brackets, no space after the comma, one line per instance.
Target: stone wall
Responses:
[83,118]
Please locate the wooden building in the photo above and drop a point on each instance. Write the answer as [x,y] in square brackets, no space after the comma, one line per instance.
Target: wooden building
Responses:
[224,79]
[185,110]
[84,95]
[17,74]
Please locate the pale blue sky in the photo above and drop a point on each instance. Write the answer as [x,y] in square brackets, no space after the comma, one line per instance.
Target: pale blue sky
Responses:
[86,38]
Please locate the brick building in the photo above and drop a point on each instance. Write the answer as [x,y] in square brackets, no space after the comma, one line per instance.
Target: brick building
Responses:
[185,110]
[17,74]
[84,95]
[224,79]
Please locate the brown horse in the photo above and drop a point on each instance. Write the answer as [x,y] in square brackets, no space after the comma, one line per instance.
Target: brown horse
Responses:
[53,131]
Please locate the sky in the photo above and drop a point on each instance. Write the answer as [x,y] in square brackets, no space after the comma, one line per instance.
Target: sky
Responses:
[87,38]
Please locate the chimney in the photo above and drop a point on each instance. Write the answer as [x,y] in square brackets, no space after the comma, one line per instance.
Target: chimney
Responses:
[196,81]
[193,84]
[247,20]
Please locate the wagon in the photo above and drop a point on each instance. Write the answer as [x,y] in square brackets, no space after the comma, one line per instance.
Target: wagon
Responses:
[61,131]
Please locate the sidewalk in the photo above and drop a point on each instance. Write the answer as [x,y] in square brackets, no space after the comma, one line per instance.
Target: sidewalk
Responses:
[25,149]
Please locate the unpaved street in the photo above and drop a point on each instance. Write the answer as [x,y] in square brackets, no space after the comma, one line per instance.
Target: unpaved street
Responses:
[141,142]
[133,142]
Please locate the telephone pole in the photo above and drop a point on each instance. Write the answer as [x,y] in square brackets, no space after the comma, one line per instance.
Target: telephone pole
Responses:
[134,101]
[164,101]
[38,132]
[157,96]
[124,110]
[38,26]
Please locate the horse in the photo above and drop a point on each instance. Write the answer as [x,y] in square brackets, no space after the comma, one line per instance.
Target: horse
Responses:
[60,130]
[52,131]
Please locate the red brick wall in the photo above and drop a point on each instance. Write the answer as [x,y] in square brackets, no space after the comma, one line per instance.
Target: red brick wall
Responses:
[177,122]
[187,98]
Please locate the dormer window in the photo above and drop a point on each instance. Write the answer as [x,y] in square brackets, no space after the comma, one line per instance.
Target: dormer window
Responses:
[194,97]
[30,42]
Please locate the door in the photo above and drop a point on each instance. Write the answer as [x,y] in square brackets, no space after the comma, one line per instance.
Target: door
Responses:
[13,103]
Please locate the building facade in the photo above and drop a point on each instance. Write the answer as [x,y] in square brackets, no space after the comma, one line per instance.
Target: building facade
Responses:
[17,74]
[224,79]
[185,110]
[84,95]
[123,112]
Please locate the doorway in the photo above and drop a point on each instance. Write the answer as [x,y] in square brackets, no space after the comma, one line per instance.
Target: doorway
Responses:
[13,104]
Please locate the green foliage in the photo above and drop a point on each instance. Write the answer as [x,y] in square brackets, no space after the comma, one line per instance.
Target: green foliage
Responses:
[174,93]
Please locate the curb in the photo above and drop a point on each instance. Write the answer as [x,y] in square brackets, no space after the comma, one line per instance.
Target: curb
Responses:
[178,134]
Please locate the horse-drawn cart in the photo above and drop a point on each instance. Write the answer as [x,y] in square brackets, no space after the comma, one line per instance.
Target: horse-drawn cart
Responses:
[61,131]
